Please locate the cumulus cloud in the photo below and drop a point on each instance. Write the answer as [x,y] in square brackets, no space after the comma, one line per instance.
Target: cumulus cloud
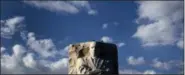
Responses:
[161,28]
[60,66]
[24,61]
[10,26]
[23,34]
[167,65]
[180,42]
[121,44]
[35,57]
[45,47]
[131,71]
[92,12]
[135,61]
[18,50]
[71,7]
[107,39]
[29,61]
[9,63]
[160,65]
[156,64]
[64,51]
[3,49]
[149,72]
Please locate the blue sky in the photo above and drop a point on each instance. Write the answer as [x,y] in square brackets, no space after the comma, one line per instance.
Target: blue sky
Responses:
[148,34]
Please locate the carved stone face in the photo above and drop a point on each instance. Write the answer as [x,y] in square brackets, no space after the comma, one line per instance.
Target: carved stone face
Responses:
[83,50]
[92,50]
[88,58]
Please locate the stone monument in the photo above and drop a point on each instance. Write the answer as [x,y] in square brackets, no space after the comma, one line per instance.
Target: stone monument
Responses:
[93,58]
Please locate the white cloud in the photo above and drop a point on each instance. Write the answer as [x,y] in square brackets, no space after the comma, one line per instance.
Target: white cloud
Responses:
[54,6]
[107,39]
[64,52]
[180,42]
[23,35]
[161,65]
[85,5]
[23,61]
[10,26]
[45,47]
[121,44]
[92,12]
[167,65]
[104,26]
[135,61]
[131,71]
[156,64]
[163,27]
[11,63]
[18,50]
[149,72]
[72,7]
[60,66]
[29,61]
[3,49]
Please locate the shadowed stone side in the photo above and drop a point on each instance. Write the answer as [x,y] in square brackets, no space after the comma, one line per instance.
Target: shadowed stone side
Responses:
[93,58]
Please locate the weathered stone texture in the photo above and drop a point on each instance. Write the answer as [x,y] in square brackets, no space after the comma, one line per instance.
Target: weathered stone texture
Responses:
[93,58]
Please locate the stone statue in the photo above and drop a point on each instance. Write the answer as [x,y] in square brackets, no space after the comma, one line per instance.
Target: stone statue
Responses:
[93,58]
